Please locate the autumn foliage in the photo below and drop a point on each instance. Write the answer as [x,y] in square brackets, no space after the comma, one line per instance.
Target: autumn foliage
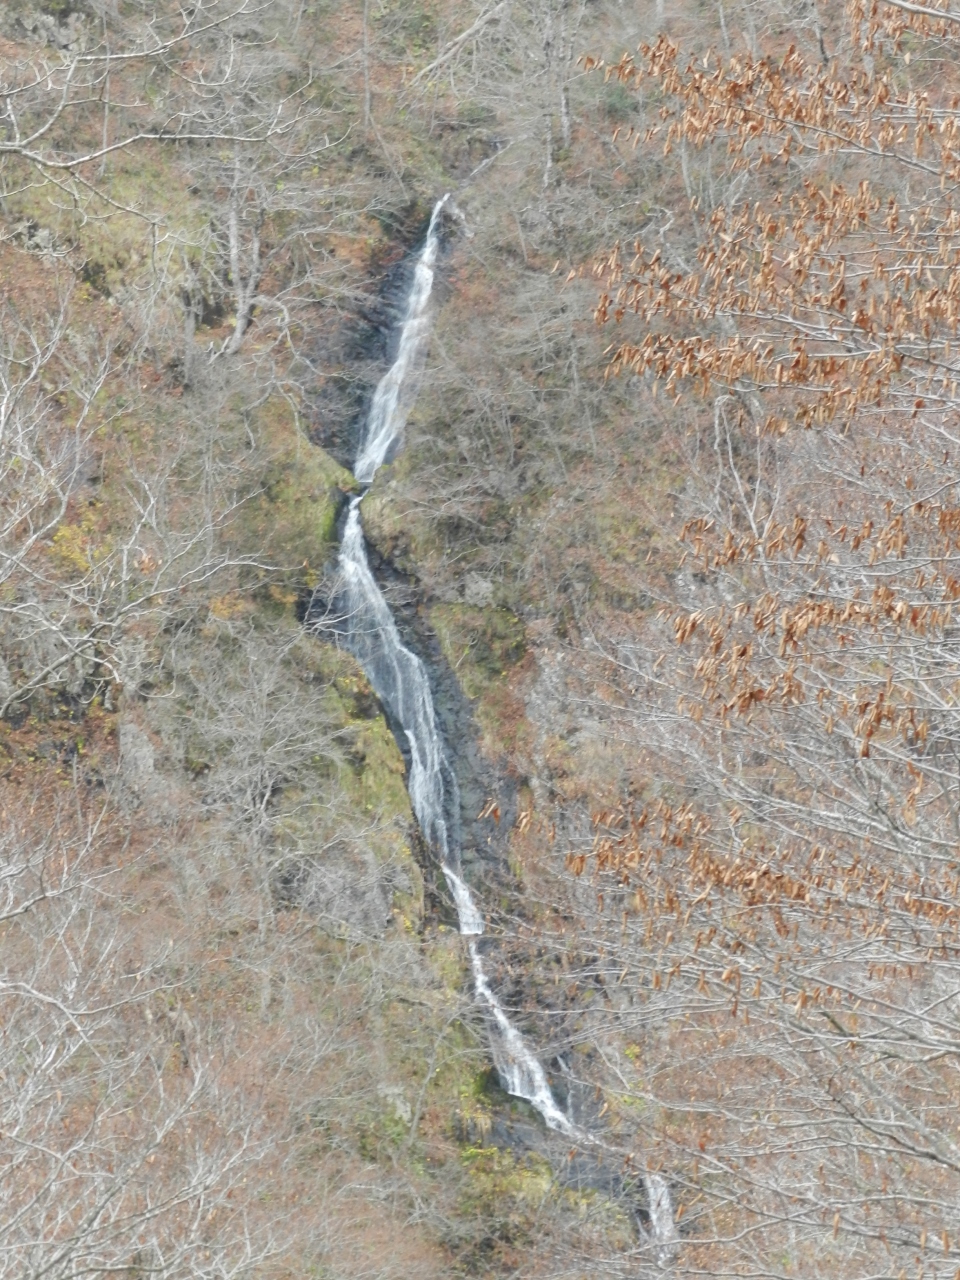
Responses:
[784,895]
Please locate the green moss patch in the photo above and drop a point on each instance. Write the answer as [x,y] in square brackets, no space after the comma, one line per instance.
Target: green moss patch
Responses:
[289,524]
[480,644]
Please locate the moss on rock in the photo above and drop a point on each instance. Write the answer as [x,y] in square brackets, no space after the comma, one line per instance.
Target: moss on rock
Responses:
[289,523]
[481,644]
[374,781]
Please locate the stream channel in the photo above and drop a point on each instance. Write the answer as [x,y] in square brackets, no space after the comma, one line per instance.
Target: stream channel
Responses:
[401,682]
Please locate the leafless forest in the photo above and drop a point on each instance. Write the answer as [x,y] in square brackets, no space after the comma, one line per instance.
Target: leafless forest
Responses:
[675,529]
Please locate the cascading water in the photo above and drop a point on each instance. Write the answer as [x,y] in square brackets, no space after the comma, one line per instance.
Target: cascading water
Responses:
[400,681]
[397,389]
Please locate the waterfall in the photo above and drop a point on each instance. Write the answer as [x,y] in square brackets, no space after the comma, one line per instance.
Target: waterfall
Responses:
[397,390]
[400,682]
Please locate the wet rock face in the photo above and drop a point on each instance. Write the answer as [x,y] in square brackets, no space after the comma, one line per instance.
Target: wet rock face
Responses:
[485,841]
[356,353]
[507,1124]
[352,355]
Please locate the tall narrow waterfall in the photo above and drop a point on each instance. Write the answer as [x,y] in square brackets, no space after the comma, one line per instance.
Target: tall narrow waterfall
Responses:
[401,683]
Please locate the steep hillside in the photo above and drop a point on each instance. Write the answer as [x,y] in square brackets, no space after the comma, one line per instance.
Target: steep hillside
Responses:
[673,528]
[236,1010]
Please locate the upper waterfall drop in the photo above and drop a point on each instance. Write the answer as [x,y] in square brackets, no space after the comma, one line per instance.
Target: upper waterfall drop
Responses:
[396,391]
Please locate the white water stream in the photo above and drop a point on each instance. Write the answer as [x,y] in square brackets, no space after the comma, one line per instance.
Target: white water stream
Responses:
[400,681]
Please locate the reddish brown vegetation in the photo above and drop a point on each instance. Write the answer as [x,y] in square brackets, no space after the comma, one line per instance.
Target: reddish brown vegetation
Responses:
[783,898]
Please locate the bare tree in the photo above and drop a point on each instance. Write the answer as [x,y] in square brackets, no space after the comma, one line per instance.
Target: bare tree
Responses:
[66,109]
[772,919]
[123,1146]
